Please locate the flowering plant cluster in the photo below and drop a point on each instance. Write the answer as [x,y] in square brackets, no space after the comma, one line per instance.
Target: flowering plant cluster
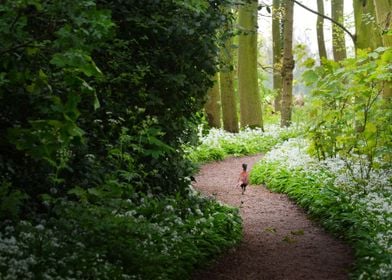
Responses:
[218,144]
[356,208]
[143,237]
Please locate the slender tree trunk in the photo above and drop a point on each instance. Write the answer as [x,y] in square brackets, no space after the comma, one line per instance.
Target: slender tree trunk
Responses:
[248,89]
[277,51]
[229,104]
[288,65]
[338,41]
[383,10]
[320,31]
[384,19]
[212,106]
[367,35]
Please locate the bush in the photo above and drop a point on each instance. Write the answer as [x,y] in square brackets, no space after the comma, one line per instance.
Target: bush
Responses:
[83,80]
[97,99]
[331,194]
[143,237]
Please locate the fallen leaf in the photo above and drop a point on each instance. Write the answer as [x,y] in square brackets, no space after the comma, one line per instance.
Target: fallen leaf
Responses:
[289,239]
[298,232]
[270,229]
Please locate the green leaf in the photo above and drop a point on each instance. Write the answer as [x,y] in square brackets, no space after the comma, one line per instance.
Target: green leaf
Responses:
[97,104]
[310,77]
[79,192]
[310,62]
[380,49]
[94,192]
[374,55]
[78,61]
[371,127]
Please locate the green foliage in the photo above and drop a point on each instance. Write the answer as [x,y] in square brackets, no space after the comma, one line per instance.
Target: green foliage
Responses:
[219,144]
[97,99]
[360,218]
[310,192]
[350,111]
[143,237]
[46,66]
[96,89]
[11,201]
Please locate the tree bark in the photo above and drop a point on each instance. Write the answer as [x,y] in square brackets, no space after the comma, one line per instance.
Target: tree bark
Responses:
[338,40]
[320,31]
[229,104]
[248,89]
[383,10]
[288,65]
[384,19]
[213,106]
[367,34]
[277,52]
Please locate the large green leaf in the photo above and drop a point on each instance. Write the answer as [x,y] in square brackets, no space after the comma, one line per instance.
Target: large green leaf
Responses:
[78,61]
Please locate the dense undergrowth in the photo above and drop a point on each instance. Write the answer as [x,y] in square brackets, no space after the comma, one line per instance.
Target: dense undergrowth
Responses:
[142,237]
[219,144]
[93,116]
[354,208]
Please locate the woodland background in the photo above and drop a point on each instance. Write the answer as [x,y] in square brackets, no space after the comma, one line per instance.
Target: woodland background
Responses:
[105,108]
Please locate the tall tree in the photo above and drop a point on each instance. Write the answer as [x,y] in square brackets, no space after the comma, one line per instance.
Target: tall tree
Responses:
[288,64]
[384,19]
[320,30]
[338,40]
[212,106]
[277,51]
[248,88]
[367,34]
[229,104]
[338,24]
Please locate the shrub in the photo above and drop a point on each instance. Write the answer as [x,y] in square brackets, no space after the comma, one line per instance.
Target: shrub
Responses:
[76,76]
[143,237]
[330,193]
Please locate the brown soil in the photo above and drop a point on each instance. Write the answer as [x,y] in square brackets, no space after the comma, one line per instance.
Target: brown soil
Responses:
[279,242]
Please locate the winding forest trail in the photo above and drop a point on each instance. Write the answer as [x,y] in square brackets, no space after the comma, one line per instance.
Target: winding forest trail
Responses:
[280,242]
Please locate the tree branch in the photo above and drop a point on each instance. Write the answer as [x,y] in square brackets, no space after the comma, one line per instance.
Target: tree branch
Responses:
[326,17]
[15,47]
[265,67]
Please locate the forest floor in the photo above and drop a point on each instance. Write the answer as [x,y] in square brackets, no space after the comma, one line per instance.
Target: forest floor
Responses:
[280,241]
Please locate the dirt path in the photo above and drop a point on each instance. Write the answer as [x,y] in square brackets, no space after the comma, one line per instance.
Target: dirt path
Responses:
[280,242]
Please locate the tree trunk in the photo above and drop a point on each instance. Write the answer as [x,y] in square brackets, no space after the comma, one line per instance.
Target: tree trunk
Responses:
[288,65]
[248,89]
[277,52]
[338,41]
[212,106]
[383,10]
[229,104]
[320,31]
[367,35]
[384,19]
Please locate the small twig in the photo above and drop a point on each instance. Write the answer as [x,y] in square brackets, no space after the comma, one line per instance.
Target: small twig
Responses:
[265,67]
[16,47]
[15,20]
